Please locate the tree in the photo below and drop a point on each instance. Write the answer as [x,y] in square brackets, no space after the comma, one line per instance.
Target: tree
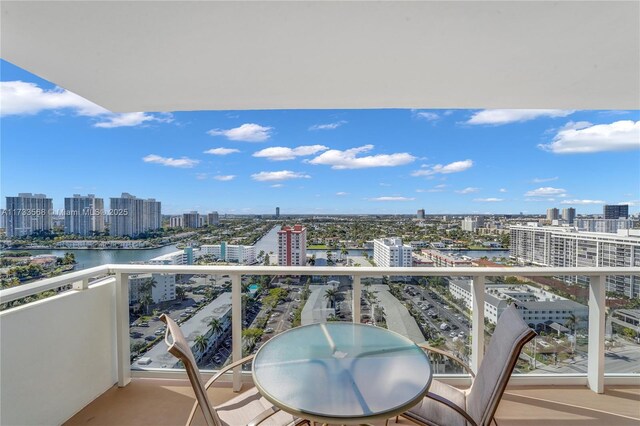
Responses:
[571,323]
[180,293]
[200,343]
[331,294]
[312,260]
[267,261]
[216,326]
[146,300]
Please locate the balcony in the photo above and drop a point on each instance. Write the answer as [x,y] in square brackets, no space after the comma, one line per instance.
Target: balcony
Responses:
[69,350]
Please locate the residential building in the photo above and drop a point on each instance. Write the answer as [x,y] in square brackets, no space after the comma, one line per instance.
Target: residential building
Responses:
[443,259]
[472,224]
[292,246]
[127,216]
[83,215]
[152,214]
[28,213]
[244,255]
[615,211]
[390,252]
[566,246]
[180,257]
[539,308]
[552,214]
[3,218]
[569,215]
[213,218]
[175,221]
[163,289]
[420,214]
[604,225]
[191,220]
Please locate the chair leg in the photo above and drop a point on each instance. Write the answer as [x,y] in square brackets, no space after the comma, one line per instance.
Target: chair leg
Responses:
[397,417]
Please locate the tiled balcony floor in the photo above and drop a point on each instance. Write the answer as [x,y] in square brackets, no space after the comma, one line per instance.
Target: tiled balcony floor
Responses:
[168,402]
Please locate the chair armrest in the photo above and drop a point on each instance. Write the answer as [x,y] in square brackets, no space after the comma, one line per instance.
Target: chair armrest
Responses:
[222,371]
[216,376]
[453,406]
[448,355]
[263,416]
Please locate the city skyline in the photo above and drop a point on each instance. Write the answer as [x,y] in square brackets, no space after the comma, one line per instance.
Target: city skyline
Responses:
[321,161]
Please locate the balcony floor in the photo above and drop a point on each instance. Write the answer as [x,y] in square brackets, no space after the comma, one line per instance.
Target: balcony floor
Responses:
[168,402]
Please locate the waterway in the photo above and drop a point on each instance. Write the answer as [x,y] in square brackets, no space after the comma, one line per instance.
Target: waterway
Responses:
[89,258]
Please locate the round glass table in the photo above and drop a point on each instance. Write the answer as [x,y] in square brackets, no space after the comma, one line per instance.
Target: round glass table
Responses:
[342,373]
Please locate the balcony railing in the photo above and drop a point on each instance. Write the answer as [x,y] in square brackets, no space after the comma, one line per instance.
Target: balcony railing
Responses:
[64,351]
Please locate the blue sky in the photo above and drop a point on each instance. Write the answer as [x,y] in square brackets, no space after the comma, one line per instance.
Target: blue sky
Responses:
[317,161]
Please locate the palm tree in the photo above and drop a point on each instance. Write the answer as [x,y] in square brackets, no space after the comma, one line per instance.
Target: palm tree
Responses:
[571,323]
[200,343]
[216,326]
[180,292]
[146,300]
[331,294]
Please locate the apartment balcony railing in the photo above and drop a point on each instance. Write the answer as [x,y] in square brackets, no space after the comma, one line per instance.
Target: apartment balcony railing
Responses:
[60,353]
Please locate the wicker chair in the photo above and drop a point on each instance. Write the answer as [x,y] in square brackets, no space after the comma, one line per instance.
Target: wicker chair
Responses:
[446,405]
[249,408]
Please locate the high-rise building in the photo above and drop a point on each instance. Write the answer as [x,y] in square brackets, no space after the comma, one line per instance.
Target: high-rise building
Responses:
[390,252]
[471,224]
[152,214]
[420,214]
[126,215]
[175,222]
[553,214]
[277,212]
[616,211]
[244,255]
[566,247]
[569,215]
[292,246]
[3,218]
[83,215]
[191,220]
[604,225]
[213,218]
[28,213]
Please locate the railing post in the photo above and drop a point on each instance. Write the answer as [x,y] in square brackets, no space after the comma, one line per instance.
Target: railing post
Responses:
[357,292]
[477,322]
[236,328]
[81,285]
[597,309]
[123,351]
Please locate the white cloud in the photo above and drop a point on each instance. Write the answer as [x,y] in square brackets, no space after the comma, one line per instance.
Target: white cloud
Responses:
[455,167]
[248,132]
[502,190]
[221,151]
[182,162]
[582,202]
[468,190]
[342,193]
[630,202]
[488,200]
[541,180]
[202,176]
[224,178]
[392,199]
[348,159]
[128,119]
[277,185]
[23,98]
[279,175]
[328,126]
[425,115]
[506,116]
[437,188]
[621,135]
[546,191]
[281,153]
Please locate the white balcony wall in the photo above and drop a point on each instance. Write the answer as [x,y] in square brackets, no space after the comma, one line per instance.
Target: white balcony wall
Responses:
[58,355]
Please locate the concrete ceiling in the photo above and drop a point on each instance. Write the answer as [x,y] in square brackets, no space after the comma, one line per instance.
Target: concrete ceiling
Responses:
[224,55]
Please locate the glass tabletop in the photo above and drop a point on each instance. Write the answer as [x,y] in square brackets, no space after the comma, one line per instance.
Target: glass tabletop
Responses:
[341,371]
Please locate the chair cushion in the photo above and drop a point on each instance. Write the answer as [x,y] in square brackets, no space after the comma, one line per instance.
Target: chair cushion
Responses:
[246,407]
[432,412]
